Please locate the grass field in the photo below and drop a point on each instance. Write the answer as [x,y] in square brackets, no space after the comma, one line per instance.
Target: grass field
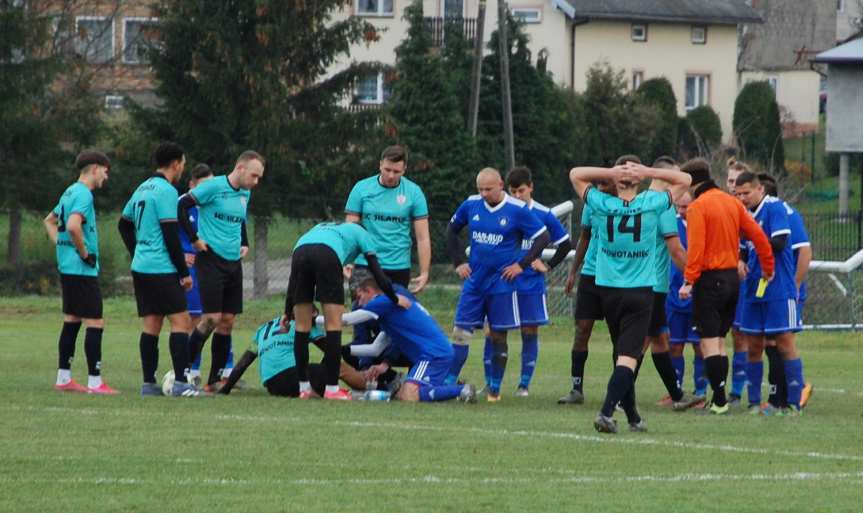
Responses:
[250,452]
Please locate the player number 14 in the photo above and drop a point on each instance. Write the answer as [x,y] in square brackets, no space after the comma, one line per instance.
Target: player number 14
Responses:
[624,227]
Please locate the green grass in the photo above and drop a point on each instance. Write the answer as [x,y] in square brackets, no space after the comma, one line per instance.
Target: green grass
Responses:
[250,452]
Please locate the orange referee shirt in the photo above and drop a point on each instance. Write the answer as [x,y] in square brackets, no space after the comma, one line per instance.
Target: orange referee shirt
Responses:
[714,223]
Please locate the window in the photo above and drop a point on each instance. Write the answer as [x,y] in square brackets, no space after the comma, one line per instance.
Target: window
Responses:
[699,35]
[374,7]
[637,78]
[95,38]
[138,34]
[840,5]
[114,102]
[697,91]
[373,89]
[527,14]
[639,32]
[774,83]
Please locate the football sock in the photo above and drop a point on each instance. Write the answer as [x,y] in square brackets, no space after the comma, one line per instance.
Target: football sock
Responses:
[698,376]
[333,357]
[738,376]
[178,343]
[196,345]
[219,356]
[717,372]
[579,358]
[621,381]
[94,381]
[331,389]
[628,405]
[679,364]
[63,376]
[775,373]
[439,393]
[794,379]
[754,377]
[229,365]
[149,347]
[637,367]
[301,355]
[487,365]
[93,350]
[196,365]
[529,355]
[305,385]
[662,362]
[498,361]
[460,357]
[66,345]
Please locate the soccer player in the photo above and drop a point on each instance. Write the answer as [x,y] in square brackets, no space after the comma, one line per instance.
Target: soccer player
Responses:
[387,205]
[71,226]
[679,314]
[738,360]
[498,224]
[159,273]
[415,334]
[530,284]
[773,311]
[316,274]
[715,222]
[221,243]
[625,272]
[588,305]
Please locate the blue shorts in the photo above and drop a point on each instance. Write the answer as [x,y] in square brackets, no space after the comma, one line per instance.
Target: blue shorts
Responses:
[429,372]
[193,297]
[738,312]
[680,328]
[771,317]
[800,305]
[499,310]
[532,309]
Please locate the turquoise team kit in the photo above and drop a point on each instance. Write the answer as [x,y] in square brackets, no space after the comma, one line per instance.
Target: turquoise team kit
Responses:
[221,213]
[348,240]
[152,203]
[76,199]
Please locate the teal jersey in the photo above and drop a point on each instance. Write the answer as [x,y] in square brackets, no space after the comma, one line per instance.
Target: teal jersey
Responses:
[152,203]
[221,214]
[275,349]
[348,240]
[387,213]
[626,255]
[667,228]
[76,199]
[590,221]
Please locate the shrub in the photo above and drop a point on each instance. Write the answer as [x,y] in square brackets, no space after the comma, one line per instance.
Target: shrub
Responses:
[757,126]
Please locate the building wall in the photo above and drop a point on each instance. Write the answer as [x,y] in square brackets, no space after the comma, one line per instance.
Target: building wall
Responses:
[796,94]
[848,21]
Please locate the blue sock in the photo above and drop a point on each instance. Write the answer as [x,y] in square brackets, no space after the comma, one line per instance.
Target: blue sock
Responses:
[487,352]
[698,376]
[230,364]
[196,365]
[529,354]
[738,373]
[794,379]
[679,364]
[441,393]
[460,356]
[498,368]
[754,377]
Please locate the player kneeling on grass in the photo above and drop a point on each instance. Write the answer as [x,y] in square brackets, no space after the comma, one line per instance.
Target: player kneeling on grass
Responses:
[414,333]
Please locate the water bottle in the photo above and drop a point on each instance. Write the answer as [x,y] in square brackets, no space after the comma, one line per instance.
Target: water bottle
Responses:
[376,395]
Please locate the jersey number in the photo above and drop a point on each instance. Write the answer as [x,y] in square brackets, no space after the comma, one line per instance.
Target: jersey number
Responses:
[624,227]
[139,213]
[61,224]
[269,328]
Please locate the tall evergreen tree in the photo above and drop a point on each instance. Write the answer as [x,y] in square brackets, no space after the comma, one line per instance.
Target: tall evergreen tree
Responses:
[659,93]
[757,126]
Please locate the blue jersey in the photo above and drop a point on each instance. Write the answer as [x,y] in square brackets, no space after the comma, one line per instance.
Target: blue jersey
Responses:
[532,281]
[773,219]
[799,239]
[590,221]
[675,277]
[154,202]
[667,228]
[184,237]
[413,332]
[222,209]
[496,235]
[76,199]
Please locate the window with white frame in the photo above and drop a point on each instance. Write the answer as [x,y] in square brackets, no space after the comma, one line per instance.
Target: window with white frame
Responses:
[698,35]
[373,89]
[527,14]
[639,32]
[840,5]
[637,78]
[114,102]
[697,91]
[138,34]
[374,7]
[774,83]
[95,38]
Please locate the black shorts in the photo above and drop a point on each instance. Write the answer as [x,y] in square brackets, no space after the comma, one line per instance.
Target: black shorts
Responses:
[220,283]
[627,313]
[588,303]
[316,274]
[714,299]
[400,276]
[658,320]
[81,296]
[284,384]
[158,294]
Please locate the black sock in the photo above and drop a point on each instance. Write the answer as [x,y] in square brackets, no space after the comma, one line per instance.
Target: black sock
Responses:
[66,345]
[333,356]
[637,368]
[579,358]
[776,377]
[301,354]
[219,351]
[716,368]
[662,362]
[621,382]
[628,405]
[179,345]
[196,345]
[149,346]
[93,350]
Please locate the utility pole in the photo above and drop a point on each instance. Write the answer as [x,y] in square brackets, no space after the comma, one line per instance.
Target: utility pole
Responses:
[504,84]
[476,75]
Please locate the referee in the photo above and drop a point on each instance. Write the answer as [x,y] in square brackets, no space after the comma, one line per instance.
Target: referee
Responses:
[715,220]
[386,205]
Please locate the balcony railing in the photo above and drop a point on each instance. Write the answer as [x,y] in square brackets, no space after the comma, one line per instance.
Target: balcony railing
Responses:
[440,28]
